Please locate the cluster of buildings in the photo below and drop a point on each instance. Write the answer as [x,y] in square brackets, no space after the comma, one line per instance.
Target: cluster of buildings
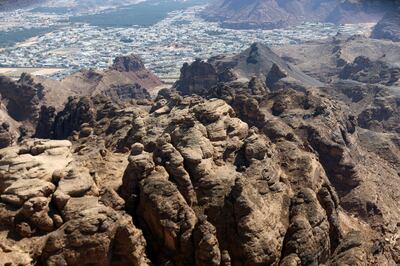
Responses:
[24,19]
[165,46]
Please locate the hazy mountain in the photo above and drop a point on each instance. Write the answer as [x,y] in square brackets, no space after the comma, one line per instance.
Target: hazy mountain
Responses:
[91,3]
[14,4]
[74,4]
[388,27]
[279,13]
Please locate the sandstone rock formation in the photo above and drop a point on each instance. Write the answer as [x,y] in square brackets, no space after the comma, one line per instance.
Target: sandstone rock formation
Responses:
[6,137]
[127,92]
[84,117]
[46,197]
[23,97]
[244,162]
[127,63]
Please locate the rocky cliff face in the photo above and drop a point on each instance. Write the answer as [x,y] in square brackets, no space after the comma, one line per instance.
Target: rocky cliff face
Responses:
[223,169]
[23,97]
[20,106]
[127,63]
[57,198]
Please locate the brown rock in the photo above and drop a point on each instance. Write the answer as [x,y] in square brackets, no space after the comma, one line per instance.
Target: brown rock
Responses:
[93,231]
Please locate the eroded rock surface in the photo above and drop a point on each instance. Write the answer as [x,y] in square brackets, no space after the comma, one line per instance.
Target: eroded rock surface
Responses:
[46,198]
[220,170]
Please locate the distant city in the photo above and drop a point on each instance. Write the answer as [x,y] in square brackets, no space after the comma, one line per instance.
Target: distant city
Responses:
[66,42]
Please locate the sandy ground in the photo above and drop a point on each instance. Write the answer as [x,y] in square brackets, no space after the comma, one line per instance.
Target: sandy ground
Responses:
[27,42]
[16,72]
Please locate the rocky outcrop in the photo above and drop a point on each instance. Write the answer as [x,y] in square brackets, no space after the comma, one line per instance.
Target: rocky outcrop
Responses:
[6,137]
[128,63]
[127,92]
[258,65]
[381,114]
[126,79]
[236,172]
[34,101]
[77,112]
[388,27]
[112,238]
[97,118]
[204,187]
[270,14]
[26,184]
[46,197]
[45,125]
[197,77]
[245,174]
[366,71]
[23,98]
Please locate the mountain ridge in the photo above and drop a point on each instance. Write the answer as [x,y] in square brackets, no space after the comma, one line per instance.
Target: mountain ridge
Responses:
[269,14]
[388,27]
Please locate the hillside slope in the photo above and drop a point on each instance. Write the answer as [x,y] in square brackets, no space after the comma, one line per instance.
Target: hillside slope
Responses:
[281,13]
[388,27]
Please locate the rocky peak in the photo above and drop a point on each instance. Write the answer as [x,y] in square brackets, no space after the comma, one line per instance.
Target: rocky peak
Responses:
[197,78]
[22,97]
[128,63]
